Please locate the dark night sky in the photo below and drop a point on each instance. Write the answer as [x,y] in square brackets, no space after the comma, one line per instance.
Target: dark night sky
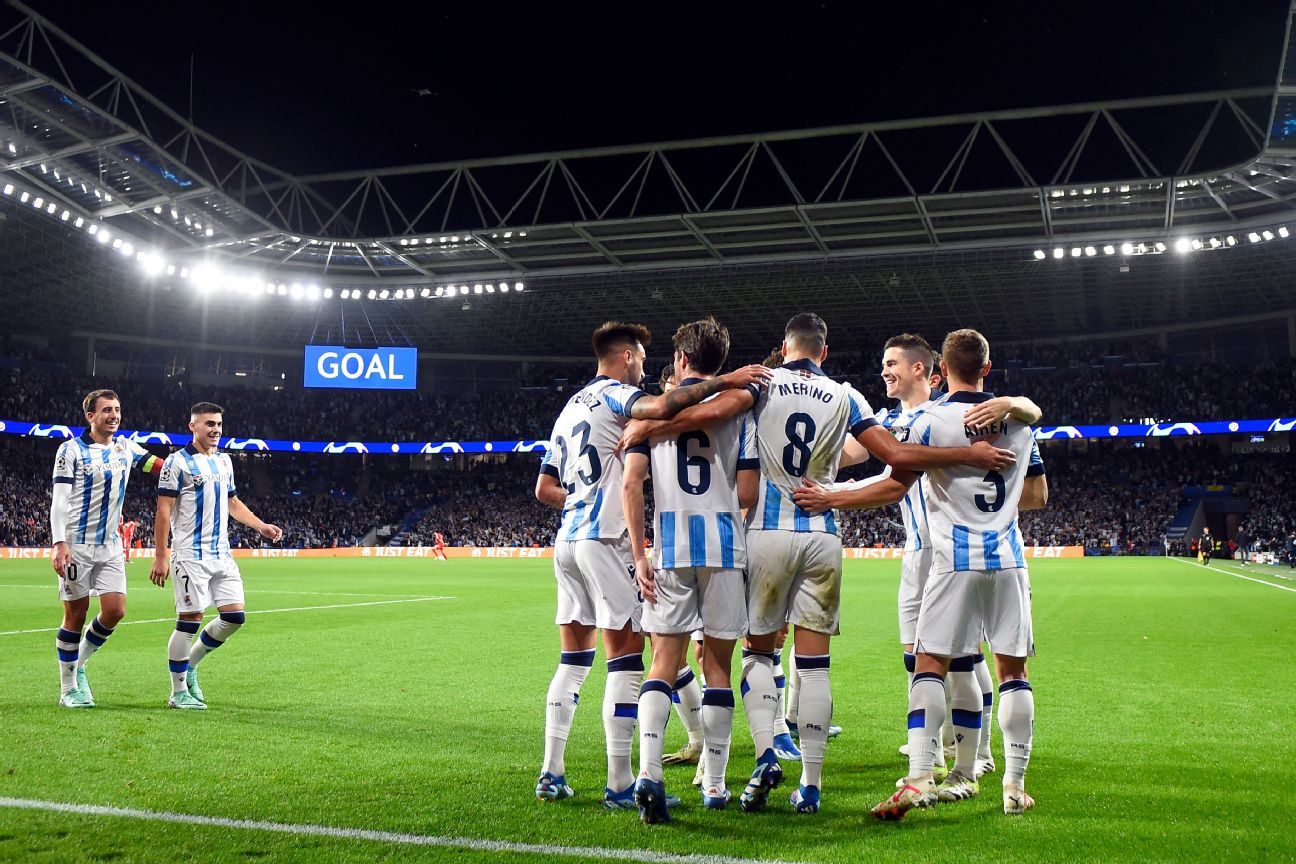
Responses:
[310,90]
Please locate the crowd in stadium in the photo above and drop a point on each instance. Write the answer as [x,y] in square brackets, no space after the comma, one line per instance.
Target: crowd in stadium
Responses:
[1061,379]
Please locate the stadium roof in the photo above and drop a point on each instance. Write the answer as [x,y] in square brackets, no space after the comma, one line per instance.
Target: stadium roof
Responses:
[894,213]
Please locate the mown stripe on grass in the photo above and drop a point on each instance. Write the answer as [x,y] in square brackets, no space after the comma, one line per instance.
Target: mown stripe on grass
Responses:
[306,830]
[251,612]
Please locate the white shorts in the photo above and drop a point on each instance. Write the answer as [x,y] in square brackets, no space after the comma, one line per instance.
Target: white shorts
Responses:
[210,582]
[793,578]
[94,570]
[913,577]
[596,583]
[689,598]
[959,608]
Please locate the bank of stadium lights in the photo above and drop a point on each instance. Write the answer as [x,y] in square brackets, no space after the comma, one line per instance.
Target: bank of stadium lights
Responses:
[1181,245]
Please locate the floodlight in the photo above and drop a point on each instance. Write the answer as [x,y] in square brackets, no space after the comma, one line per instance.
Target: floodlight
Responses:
[518,286]
[281,289]
[1075,251]
[490,288]
[1160,247]
[439,291]
[1253,237]
[504,287]
[477,289]
[425,293]
[1196,244]
[1109,250]
[1127,248]
[328,293]
[313,292]
[38,203]
[1039,255]
[463,289]
[383,294]
[346,293]
[1090,251]
[8,189]
[296,291]
[127,250]
[1058,253]
[372,294]
[1283,232]
[1267,234]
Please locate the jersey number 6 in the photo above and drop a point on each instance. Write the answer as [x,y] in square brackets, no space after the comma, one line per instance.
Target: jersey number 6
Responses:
[684,462]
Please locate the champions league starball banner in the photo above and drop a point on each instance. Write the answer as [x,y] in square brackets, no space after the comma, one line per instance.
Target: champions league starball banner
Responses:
[1043,433]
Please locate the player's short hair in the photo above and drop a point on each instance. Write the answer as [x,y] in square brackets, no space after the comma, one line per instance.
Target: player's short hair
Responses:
[775,359]
[667,375]
[90,403]
[916,348]
[205,408]
[807,332]
[965,353]
[705,342]
[614,335]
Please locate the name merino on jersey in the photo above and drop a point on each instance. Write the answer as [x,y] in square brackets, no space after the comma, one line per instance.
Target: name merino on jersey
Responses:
[97,474]
[698,520]
[582,457]
[802,419]
[973,513]
[913,506]
[202,486]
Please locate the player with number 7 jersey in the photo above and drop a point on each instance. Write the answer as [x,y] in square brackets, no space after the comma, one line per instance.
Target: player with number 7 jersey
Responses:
[581,475]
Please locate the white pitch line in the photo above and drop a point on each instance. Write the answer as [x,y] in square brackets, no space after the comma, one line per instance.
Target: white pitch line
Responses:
[445,842]
[250,612]
[1236,575]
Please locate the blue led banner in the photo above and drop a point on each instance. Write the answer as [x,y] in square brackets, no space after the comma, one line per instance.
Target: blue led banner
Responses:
[1043,433]
[361,368]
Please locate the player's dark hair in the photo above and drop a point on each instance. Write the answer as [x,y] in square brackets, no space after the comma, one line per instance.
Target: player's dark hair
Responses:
[775,359]
[90,403]
[965,353]
[705,343]
[667,376]
[916,348]
[206,408]
[807,332]
[616,335]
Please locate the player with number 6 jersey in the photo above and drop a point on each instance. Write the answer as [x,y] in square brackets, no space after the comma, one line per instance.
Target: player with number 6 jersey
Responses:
[593,563]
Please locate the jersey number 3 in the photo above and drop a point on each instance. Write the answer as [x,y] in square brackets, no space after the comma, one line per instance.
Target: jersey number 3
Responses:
[986,505]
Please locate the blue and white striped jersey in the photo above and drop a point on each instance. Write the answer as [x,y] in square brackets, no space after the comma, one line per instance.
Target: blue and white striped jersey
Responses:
[202,486]
[802,420]
[913,507]
[972,513]
[97,474]
[581,456]
[698,521]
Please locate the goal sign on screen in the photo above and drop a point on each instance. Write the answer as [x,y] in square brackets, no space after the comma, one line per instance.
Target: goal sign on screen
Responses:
[361,368]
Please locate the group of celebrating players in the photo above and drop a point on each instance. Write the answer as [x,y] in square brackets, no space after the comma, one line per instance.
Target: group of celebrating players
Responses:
[743,468]
[196,497]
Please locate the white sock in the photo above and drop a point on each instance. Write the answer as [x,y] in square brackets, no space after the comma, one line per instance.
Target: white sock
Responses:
[792,694]
[926,717]
[620,708]
[1017,723]
[654,711]
[214,635]
[982,671]
[780,713]
[965,713]
[178,647]
[717,724]
[67,643]
[687,697]
[560,707]
[816,715]
[760,698]
[95,637]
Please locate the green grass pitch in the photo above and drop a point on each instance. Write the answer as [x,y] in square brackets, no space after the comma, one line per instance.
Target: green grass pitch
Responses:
[1165,696]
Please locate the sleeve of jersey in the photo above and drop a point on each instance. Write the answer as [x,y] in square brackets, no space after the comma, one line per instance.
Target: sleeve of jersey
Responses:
[642,449]
[1036,465]
[621,398]
[748,455]
[169,479]
[547,465]
[63,465]
[144,460]
[861,415]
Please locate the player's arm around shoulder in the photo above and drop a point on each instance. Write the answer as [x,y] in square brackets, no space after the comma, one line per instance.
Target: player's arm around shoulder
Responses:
[877,491]
[924,457]
[669,404]
[1035,491]
[1019,408]
[705,415]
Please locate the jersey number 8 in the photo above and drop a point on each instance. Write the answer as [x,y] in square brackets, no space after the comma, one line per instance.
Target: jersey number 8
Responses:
[800,431]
